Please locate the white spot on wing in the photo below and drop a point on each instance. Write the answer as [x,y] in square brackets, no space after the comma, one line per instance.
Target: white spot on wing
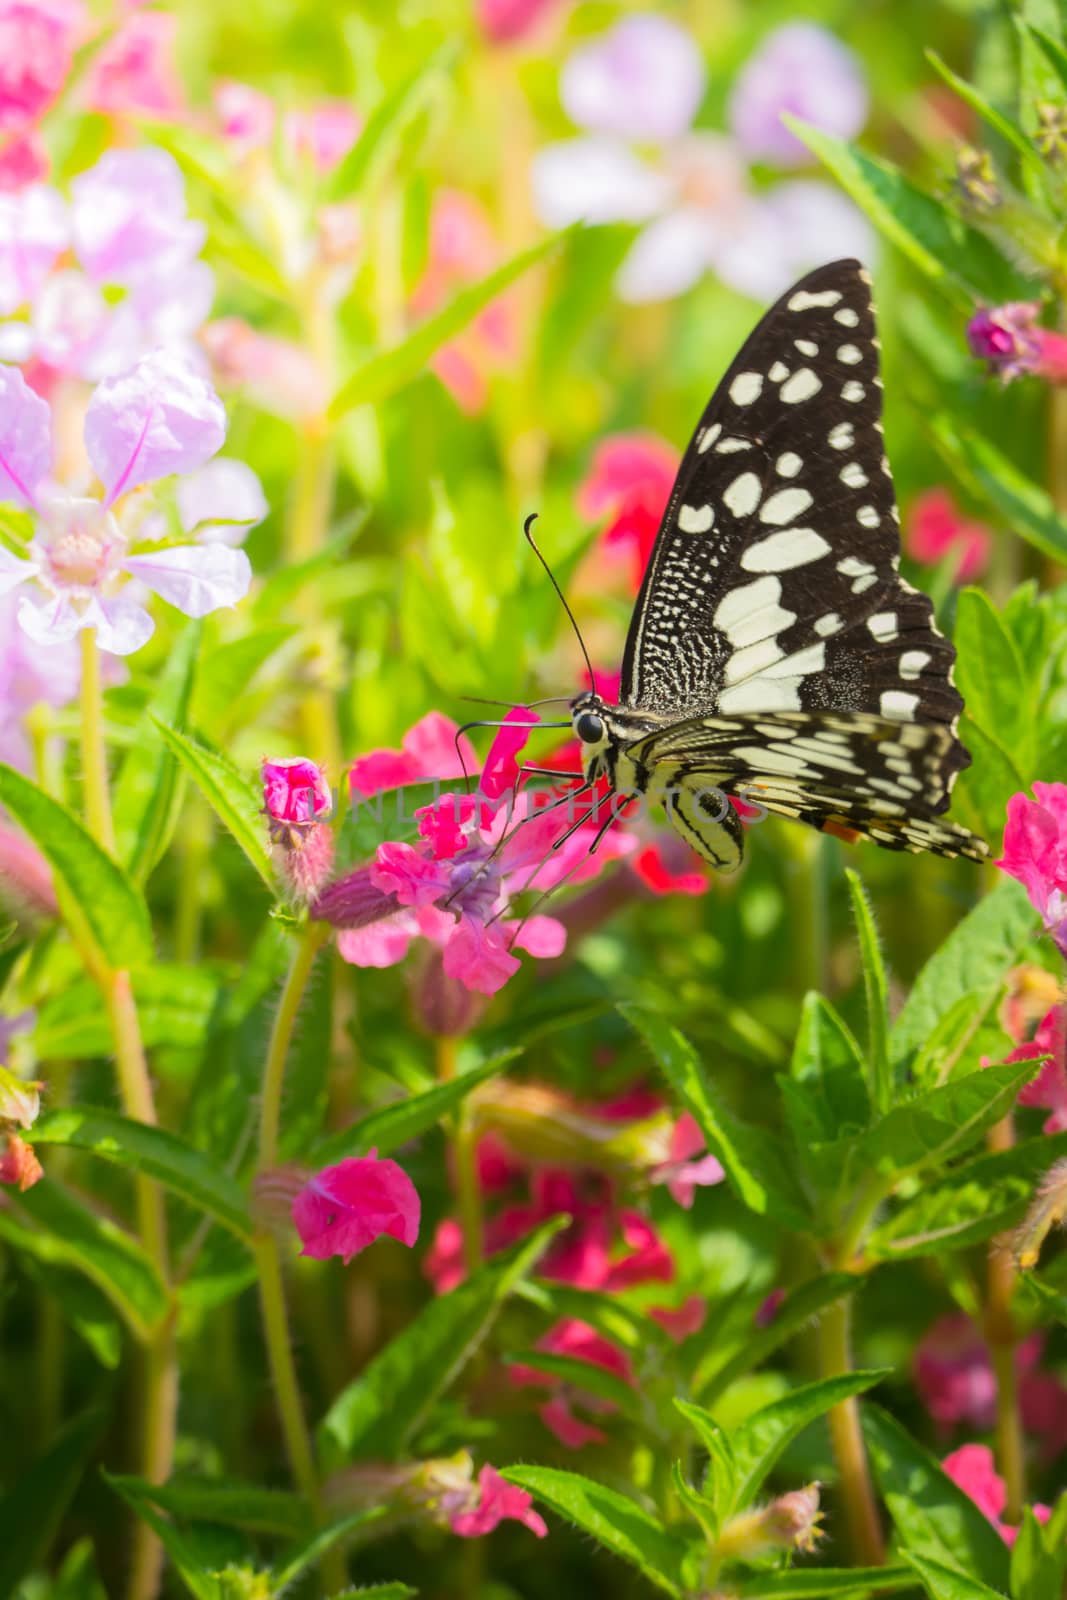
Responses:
[709,437]
[784,505]
[801,386]
[778,372]
[912,663]
[779,552]
[753,612]
[745,388]
[850,354]
[753,658]
[728,446]
[853,475]
[883,626]
[695,519]
[868,517]
[788,464]
[743,495]
[828,624]
[807,347]
[841,436]
[846,317]
[853,392]
[805,298]
[898,705]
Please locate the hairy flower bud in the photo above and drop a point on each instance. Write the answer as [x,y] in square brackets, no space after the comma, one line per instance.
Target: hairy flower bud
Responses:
[1051,135]
[296,800]
[1048,1208]
[27,894]
[976,179]
[789,1523]
[444,1007]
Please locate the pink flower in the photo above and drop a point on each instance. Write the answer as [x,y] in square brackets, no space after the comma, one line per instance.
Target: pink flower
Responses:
[134,74]
[34,232]
[1049,1088]
[803,69]
[507,21]
[23,160]
[680,1172]
[427,751]
[344,1208]
[498,1500]
[581,1342]
[246,115]
[936,529]
[956,1383]
[769,1309]
[277,375]
[18,1164]
[1035,852]
[159,419]
[642,80]
[629,483]
[1013,342]
[322,135]
[295,790]
[37,41]
[972,1469]
[653,866]
[681,1322]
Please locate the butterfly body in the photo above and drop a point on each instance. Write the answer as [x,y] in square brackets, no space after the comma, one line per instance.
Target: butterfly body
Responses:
[775,655]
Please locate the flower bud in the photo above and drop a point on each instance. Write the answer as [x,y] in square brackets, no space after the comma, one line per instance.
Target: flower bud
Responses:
[27,894]
[20,1101]
[354,901]
[18,1165]
[1049,1207]
[976,179]
[789,1523]
[1014,343]
[1051,135]
[444,1007]
[296,797]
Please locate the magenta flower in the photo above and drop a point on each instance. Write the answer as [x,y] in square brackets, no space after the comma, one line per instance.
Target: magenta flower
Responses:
[344,1208]
[507,21]
[428,751]
[1049,1088]
[681,1322]
[1014,343]
[955,1379]
[972,1469]
[629,483]
[37,42]
[578,1340]
[322,135]
[135,74]
[295,790]
[246,115]
[682,1175]
[497,1501]
[936,528]
[158,419]
[803,69]
[138,282]
[1035,852]
[641,83]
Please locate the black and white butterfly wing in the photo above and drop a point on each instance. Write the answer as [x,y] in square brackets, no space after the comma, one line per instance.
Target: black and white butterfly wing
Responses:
[773,586]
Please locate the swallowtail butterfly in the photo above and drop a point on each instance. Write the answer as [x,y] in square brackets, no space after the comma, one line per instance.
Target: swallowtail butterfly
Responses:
[774,650]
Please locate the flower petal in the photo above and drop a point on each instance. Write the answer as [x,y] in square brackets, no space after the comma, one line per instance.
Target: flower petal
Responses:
[380,944]
[595,180]
[540,936]
[25,439]
[197,578]
[642,80]
[478,958]
[667,257]
[14,571]
[160,417]
[129,218]
[346,1207]
[221,501]
[497,1500]
[53,622]
[122,625]
[803,69]
[34,232]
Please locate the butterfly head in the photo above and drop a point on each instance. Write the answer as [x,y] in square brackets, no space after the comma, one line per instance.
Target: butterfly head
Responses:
[590,725]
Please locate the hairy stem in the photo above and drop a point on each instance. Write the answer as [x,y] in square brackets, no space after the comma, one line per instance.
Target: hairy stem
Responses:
[854,1475]
[1001,1336]
[464,1150]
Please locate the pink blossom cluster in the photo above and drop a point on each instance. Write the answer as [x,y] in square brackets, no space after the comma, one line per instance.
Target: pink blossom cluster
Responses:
[955,1379]
[973,1470]
[1035,853]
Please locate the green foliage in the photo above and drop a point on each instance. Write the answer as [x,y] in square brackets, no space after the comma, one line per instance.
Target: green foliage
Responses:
[31,1513]
[229,794]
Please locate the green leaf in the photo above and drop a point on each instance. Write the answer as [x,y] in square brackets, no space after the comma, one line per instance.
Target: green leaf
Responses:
[81,1302]
[991,476]
[68,1233]
[987,786]
[978,954]
[175,1005]
[237,1505]
[934,1518]
[377,1414]
[755,1161]
[393,1125]
[759,1441]
[33,1510]
[943,1582]
[147,794]
[105,912]
[826,1583]
[828,1067]
[579,1374]
[958,257]
[379,1591]
[1008,130]
[982,1198]
[1052,50]
[224,676]
[624,1325]
[877,990]
[990,675]
[375,150]
[800,1307]
[229,794]
[203,1585]
[940,1123]
[719,1487]
[1038,1558]
[156,1153]
[614,1521]
[389,371]
[314,1548]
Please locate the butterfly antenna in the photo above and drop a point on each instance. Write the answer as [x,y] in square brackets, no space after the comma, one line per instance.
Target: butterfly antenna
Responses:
[526,527]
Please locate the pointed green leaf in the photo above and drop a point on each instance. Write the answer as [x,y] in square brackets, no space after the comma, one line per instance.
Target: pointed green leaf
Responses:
[236,1505]
[579,1374]
[32,1511]
[801,1306]
[958,257]
[1038,1558]
[384,374]
[877,990]
[719,1487]
[175,1004]
[312,1550]
[155,1152]
[944,1582]
[229,794]
[105,912]
[203,1585]
[377,1414]
[1008,130]
[990,674]
[614,1521]
[755,1161]
[389,1127]
[824,1583]
[147,794]
[375,149]
[984,469]
[977,955]
[828,1066]
[934,1518]
[759,1441]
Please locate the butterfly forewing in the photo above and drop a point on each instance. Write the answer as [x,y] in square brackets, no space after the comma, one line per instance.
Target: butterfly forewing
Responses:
[773,586]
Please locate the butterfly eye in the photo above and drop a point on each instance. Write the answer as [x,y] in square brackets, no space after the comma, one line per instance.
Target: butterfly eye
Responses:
[589,728]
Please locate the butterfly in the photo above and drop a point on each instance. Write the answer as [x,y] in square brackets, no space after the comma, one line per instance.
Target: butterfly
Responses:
[775,654]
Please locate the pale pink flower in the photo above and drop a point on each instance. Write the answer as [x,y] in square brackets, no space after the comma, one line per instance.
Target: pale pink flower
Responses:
[681,1322]
[158,419]
[972,1469]
[246,115]
[1035,852]
[497,1501]
[429,750]
[37,42]
[682,1175]
[23,160]
[803,69]
[1049,1088]
[510,21]
[935,528]
[955,1379]
[1013,342]
[643,80]
[34,232]
[322,134]
[344,1208]
[135,74]
[277,375]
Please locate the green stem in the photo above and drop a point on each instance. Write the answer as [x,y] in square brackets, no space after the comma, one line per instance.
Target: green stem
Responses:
[270,1105]
[1001,1336]
[465,1153]
[854,1474]
[159,1402]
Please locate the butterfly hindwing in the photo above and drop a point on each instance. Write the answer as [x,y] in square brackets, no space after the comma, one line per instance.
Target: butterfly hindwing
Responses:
[773,584]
